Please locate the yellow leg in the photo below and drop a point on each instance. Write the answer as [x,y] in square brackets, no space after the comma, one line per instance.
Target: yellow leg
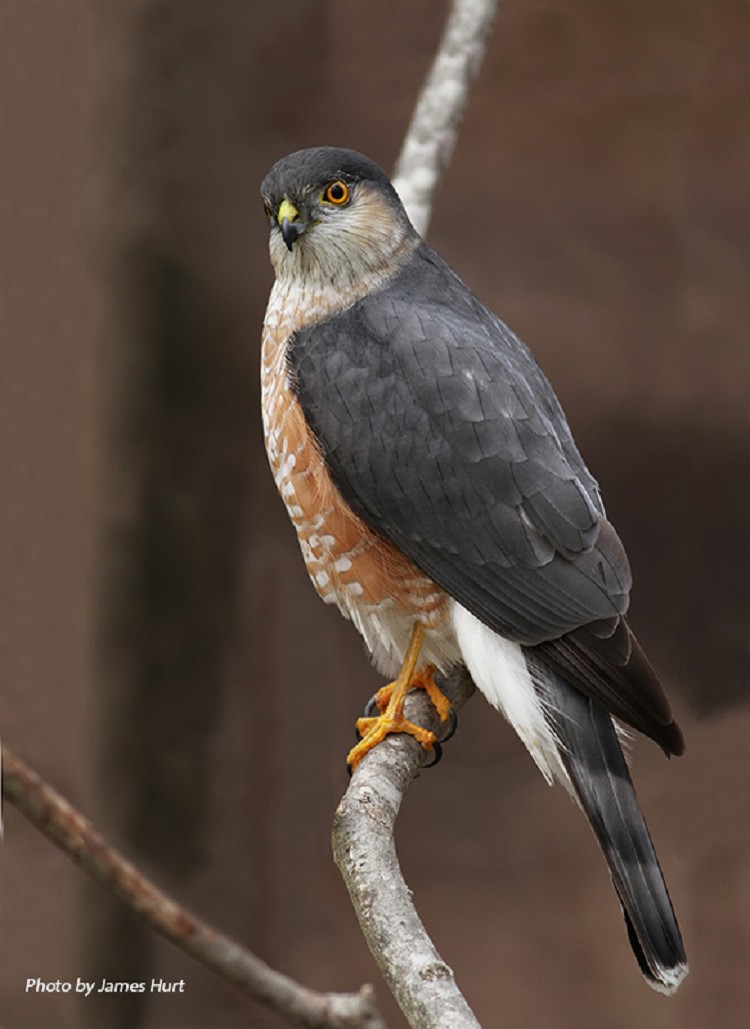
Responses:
[390,699]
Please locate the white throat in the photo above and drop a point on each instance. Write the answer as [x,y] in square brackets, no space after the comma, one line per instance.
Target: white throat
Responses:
[350,251]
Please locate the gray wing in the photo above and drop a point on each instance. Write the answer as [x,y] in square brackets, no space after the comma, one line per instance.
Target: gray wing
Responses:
[442,433]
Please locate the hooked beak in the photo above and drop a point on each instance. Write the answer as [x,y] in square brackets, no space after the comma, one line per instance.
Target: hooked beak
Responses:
[291,227]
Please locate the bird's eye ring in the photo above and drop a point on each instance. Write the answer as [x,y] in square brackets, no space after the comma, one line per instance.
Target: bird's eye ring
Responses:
[337,193]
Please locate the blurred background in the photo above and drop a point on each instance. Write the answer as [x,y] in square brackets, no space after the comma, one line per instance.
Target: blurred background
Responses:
[165,662]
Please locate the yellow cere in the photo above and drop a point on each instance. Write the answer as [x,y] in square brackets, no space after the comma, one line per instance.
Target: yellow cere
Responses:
[287,210]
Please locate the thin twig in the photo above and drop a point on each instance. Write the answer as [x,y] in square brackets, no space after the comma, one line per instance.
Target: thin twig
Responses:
[431,137]
[66,827]
[365,852]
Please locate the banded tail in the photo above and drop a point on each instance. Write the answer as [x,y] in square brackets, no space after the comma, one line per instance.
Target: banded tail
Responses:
[592,756]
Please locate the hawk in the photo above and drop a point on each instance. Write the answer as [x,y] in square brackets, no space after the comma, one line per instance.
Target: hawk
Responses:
[441,502]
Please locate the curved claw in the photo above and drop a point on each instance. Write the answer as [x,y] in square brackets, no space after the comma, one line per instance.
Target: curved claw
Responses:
[453,719]
[372,708]
[437,749]
[437,753]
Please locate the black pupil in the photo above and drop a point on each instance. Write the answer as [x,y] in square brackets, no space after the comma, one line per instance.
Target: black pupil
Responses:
[336,191]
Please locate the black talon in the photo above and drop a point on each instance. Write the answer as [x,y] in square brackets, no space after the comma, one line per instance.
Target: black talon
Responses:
[453,718]
[437,752]
[372,710]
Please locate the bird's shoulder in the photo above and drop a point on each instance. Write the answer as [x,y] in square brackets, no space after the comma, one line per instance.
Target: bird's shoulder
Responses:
[423,356]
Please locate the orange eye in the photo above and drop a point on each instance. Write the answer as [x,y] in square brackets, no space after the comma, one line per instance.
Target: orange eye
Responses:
[336,193]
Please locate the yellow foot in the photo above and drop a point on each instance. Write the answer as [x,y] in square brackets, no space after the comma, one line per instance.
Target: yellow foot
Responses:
[373,730]
[422,680]
[390,699]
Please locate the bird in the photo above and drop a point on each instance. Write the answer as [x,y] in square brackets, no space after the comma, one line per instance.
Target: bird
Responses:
[441,503]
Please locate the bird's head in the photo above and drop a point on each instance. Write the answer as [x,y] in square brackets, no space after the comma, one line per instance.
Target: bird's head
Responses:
[334,216]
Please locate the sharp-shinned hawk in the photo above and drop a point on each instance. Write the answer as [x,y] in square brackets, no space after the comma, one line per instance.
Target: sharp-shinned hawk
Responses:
[440,501]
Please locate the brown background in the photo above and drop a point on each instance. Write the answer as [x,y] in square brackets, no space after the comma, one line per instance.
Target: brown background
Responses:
[165,662]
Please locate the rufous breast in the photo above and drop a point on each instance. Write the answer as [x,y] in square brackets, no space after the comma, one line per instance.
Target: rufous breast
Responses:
[349,564]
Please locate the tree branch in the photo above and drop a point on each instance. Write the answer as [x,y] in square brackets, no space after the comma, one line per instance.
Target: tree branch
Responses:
[431,137]
[66,827]
[365,852]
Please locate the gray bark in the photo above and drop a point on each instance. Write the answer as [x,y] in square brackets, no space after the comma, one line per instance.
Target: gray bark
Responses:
[432,134]
[365,852]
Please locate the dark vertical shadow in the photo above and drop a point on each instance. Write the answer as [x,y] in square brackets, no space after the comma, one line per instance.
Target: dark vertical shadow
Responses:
[183,414]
